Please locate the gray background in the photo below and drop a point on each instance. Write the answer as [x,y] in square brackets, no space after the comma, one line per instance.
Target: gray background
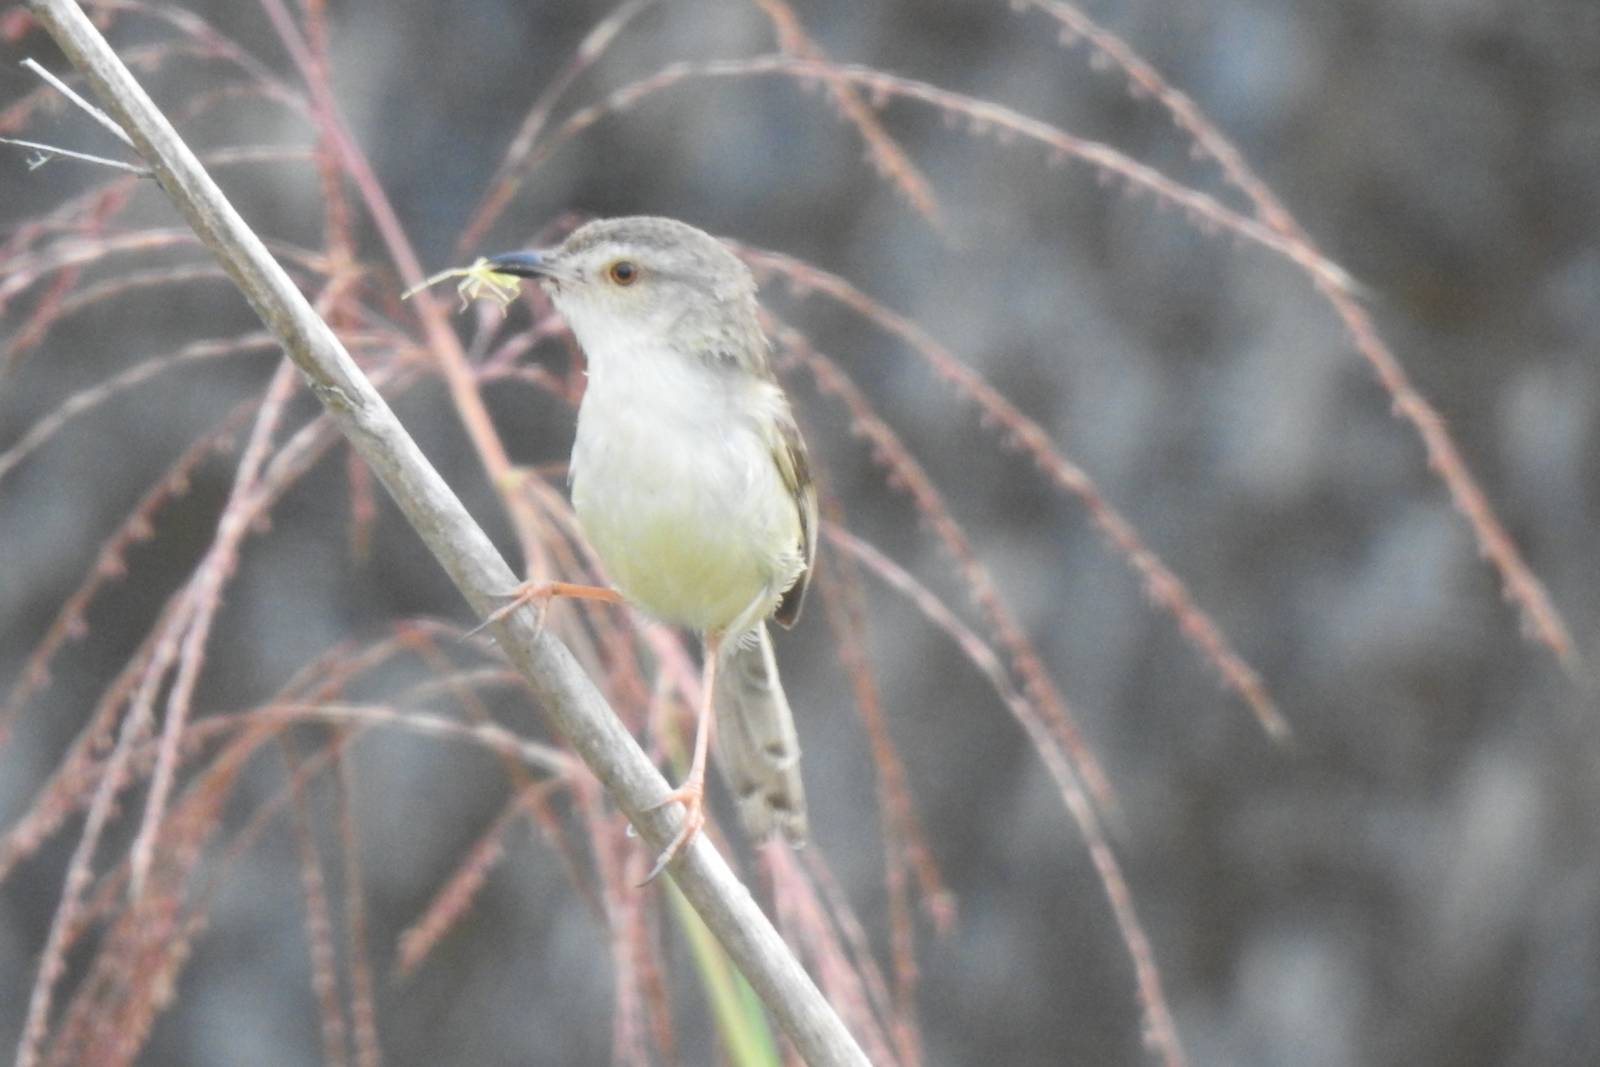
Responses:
[1415,881]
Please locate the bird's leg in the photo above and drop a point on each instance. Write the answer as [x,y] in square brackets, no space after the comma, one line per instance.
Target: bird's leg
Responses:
[540,594]
[692,793]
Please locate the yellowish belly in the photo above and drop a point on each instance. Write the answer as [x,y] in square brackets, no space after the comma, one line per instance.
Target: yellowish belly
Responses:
[696,529]
[675,568]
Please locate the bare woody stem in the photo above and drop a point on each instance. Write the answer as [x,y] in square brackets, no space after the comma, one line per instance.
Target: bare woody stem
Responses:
[573,704]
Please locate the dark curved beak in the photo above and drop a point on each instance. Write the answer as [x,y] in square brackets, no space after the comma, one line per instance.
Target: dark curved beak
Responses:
[526,265]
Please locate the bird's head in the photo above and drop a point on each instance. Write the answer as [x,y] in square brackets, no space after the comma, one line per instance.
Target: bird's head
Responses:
[642,280]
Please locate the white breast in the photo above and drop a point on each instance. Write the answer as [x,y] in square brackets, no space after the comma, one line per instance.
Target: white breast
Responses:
[678,492]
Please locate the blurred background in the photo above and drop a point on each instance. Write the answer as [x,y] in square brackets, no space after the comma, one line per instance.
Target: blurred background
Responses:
[1414,879]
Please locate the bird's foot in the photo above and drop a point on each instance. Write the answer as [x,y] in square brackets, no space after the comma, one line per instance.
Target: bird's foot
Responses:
[539,594]
[691,794]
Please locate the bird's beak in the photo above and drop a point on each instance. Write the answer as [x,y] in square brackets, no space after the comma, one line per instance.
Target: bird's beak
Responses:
[533,264]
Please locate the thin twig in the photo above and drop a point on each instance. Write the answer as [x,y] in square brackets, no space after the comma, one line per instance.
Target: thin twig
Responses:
[206,588]
[53,960]
[442,341]
[887,157]
[87,399]
[1542,622]
[47,151]
[452,900]
[1161,1031]
[71,94]
[905,849]
[907,475]
[508,176]
[980,118]
[1018,432]
[318,920]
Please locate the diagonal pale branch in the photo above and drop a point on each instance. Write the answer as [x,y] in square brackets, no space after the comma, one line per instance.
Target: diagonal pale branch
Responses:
[567,695]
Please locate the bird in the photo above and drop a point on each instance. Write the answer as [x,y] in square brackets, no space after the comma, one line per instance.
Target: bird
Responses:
[691,481]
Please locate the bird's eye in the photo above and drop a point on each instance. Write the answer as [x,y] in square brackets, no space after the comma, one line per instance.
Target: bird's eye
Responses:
[623,272]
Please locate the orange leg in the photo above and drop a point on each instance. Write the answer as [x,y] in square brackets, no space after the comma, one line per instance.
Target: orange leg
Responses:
[541,594]
[692,793]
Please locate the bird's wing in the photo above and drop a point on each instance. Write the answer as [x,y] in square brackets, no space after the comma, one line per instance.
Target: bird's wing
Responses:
[789,453]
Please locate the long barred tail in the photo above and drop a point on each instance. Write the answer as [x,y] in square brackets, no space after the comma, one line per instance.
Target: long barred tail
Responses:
[756,744]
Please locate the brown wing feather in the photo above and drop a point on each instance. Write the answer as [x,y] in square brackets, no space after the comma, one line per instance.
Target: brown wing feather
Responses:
[789,452]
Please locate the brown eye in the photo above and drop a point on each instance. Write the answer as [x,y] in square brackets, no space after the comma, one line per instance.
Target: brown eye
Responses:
[623,272]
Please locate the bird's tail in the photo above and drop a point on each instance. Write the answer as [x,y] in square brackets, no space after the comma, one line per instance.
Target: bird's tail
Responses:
[756,744]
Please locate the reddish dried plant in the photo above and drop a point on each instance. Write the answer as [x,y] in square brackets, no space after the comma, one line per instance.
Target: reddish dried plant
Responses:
[147,784]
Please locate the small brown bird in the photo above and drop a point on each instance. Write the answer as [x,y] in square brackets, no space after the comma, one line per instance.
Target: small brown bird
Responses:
[691,481]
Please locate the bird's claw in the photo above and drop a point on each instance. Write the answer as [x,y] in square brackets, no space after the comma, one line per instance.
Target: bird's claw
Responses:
[692,796]
[526,593]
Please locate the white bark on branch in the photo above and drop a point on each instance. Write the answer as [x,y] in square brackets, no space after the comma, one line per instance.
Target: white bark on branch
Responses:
[567,695]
